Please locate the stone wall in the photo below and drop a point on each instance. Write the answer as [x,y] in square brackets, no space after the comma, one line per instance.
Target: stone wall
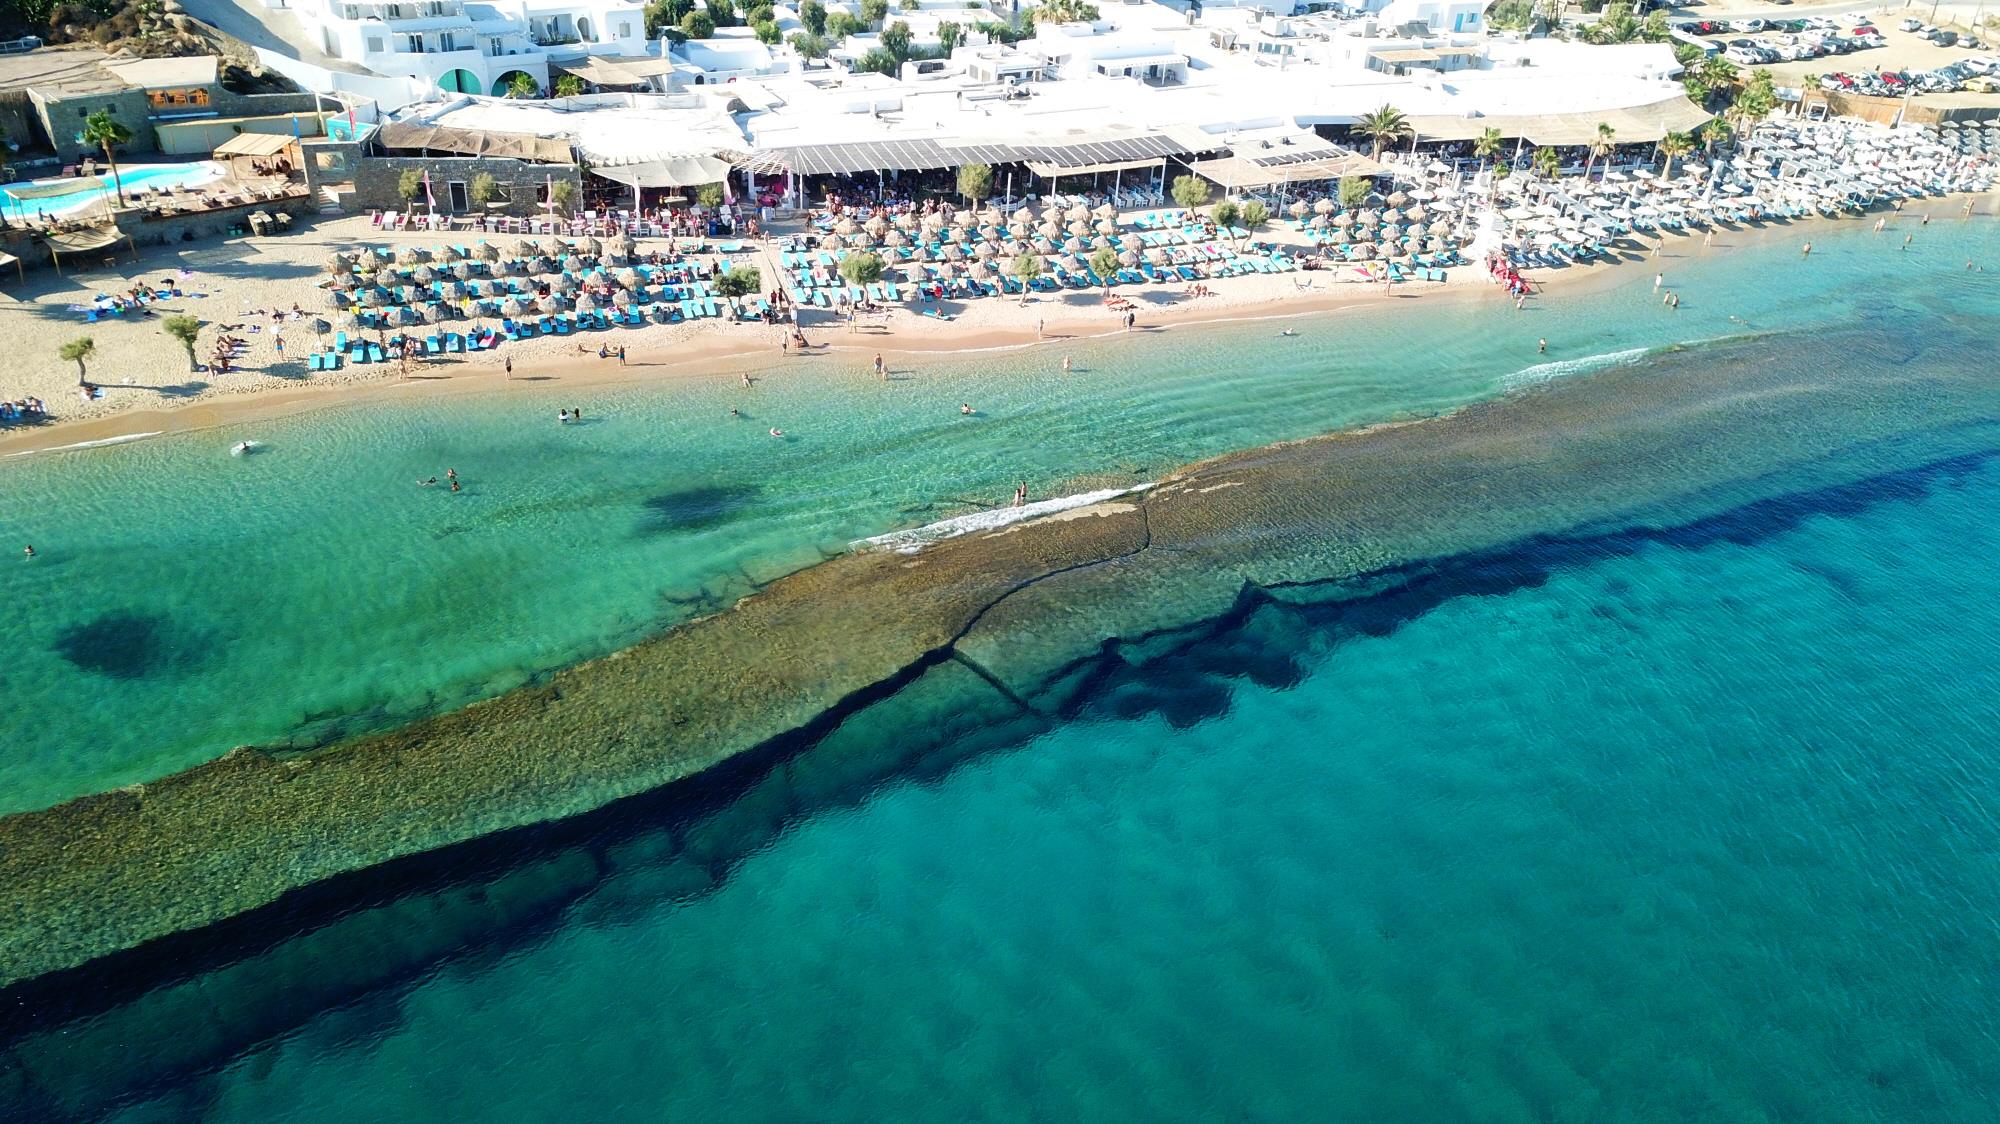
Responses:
[175,229]
[521,183]
[62,119]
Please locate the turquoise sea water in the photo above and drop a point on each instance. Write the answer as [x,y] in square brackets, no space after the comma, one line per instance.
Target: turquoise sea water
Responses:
[132,179]
[185,601]
[1669,820]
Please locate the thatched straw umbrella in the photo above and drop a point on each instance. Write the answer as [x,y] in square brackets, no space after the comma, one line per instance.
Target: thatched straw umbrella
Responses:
[1132,242]
[953,252]
[1323,207]
[488,252]
[1078,213]
[454,289]
[1417,213]
[549,305]
[622,299]
[1344,236]
[375,297]
[628,278]
[1399,198]
[1105,211]
[586,303]
[1299,208]
[1052,213]
[555,248]
[512,306]
[1365,251]
[1101,243]
[1157,255]
[1106,227]
[1438,246]
[1369,217]
[1440,228]
[984,269]
[462,270]
[423,275]
[566,282]
[962,236]
[453,253]
[527,248]
[895,238]
[1049,230]
[336,300]
[591,246]
[370,260]
[412,255]
[338,265]
[876,227]
[986,251]
[907,222]
[1075,245]
[991,216]
[1129,259]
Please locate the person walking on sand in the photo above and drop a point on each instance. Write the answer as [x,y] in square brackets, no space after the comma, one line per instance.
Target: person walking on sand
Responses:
[509,365]
[621,355]
[1038,328]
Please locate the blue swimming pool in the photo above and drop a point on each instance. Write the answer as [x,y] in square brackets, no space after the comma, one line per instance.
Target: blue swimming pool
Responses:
[66,196]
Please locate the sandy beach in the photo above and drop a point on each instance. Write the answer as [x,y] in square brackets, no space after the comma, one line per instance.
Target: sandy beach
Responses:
[149,387]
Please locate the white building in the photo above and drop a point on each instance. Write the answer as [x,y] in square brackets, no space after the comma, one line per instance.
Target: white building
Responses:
[477,48]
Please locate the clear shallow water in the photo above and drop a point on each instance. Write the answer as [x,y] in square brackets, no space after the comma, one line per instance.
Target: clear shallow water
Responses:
[134,178]
[186,601]
[1665,822]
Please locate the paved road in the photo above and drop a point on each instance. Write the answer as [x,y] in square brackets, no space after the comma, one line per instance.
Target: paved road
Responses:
[274,29]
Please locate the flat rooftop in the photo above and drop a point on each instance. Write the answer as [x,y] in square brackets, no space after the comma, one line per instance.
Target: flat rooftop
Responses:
[70,70]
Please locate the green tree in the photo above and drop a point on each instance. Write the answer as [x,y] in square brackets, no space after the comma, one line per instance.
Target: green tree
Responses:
[812,14]
[568,86]
[809,45]
[862,268]
[721,13]
[1488,144]
[767,33]
[1384,126]
[1065,11]
[896,40]
[740,281]
[564,195]
[1755,100]
[1717,133]
[1511,15]
[913,5]
[410,184]
[1104,263]
[879,61]
[975,182]
[664,14]
[185,329]
[1354,191]
[1255,215]
[698,25]
[1548,165]
[1226,214]
[1601,146]
[840,25]
[709,195]
[1026,267]
[524,86]
[76,351]
[483,190]
[761,13]
[950,35]
[104,131]
[1673,146]
[873,12]
[1190,191]
[1654,29]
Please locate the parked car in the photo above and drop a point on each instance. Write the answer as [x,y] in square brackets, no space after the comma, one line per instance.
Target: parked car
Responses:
[1747,26]
[1909,25]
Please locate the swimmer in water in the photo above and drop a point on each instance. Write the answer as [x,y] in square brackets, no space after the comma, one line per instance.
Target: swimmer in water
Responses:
[28,551]
[776,432]
[454,487]
[1288,332]
[562,417]
[734,412]
[431,483]
[1541,347]
[965,408]
[451,474]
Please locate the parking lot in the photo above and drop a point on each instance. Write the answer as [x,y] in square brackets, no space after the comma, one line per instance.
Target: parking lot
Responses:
[1856,53]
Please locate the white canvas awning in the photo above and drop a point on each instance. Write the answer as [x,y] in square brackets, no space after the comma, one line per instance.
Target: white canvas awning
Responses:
[678,171]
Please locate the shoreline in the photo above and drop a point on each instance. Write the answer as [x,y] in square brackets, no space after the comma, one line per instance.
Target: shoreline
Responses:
[120,869]
[725,351]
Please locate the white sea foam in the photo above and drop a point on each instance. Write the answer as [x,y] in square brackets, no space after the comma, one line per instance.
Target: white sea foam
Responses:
[1563,368]
[915,539]
[121,439]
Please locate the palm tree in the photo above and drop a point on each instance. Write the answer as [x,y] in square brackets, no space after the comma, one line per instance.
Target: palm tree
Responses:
[1673,146]
[1603,146]
[76,351]
[103,130]
[1547,164]
[1716,133]
[1487,145]
[1384,126]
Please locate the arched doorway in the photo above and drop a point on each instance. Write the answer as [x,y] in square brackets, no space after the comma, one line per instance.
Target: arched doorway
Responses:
[583,28]
[501,84]
[459,82]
